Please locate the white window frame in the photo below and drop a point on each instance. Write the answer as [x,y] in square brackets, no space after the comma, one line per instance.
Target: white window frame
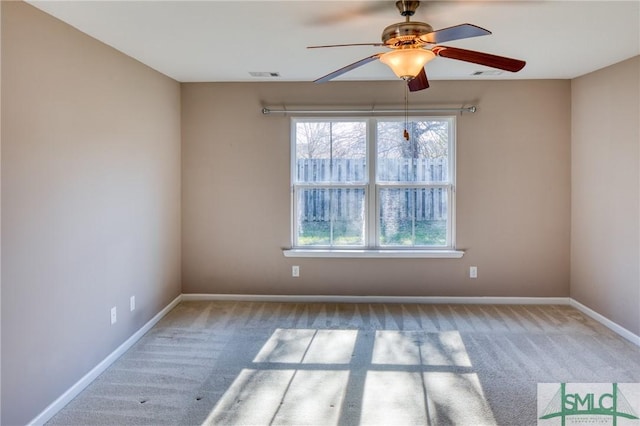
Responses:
[372,198]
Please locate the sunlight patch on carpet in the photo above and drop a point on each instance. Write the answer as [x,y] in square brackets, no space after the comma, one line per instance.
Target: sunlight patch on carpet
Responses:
[262,397]
[392,397]
[301,376]
[419,348]
[457,399]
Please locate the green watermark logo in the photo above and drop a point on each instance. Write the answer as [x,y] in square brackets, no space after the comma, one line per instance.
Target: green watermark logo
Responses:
[563,404]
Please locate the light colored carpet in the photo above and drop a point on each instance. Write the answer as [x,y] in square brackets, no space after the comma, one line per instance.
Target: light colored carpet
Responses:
[241,363]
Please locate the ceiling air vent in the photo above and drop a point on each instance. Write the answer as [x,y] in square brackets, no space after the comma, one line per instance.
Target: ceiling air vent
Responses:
[264,74]
[490,72]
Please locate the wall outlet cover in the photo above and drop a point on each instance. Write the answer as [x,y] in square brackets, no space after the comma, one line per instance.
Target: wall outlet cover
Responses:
[473,272]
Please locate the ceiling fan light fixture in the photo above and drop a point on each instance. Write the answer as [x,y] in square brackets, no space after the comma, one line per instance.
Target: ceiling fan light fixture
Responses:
[407,63]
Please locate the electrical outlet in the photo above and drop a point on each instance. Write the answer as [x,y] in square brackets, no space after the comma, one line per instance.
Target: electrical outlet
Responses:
[473,272]
[132,303]
[295,271]
[114,316]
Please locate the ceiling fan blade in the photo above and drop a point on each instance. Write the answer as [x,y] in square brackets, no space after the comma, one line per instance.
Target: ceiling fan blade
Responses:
[493,61]
[419,82]
[456,32]
[348,68]
[346,45]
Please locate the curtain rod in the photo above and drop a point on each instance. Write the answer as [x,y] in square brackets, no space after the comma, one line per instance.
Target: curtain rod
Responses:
[267,111]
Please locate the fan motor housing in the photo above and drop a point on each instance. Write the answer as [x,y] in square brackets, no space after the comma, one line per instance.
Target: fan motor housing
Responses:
[404,34]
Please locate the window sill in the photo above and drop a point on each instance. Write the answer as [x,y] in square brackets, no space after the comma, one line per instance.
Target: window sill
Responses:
[371,253]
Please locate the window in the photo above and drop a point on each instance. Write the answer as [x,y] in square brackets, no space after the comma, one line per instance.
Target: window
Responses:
[359,184]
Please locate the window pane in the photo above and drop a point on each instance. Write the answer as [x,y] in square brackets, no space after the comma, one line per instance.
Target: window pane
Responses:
[413,216]
[332,190]
[422,158]
[330,216]
[331,151]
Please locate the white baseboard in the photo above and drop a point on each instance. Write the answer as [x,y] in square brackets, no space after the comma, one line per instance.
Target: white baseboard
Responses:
[378,299]
[86,380]
[606,322]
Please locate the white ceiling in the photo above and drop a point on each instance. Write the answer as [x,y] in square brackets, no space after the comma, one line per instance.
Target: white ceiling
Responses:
[193,41]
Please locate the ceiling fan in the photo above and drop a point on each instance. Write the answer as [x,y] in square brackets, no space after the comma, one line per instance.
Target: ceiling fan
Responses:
[413,44]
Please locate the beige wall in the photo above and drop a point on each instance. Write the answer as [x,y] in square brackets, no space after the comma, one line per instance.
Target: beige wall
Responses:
[91,197]
[513,205]
[605,161]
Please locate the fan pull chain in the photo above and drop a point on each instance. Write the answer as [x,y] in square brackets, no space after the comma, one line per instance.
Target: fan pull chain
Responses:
[406,112]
